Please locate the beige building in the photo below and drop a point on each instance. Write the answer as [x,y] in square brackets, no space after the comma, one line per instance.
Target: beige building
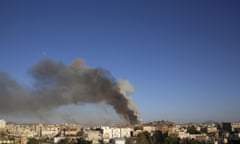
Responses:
[235,125]
[94,136]
[212,129]
[149,129]
[2,123]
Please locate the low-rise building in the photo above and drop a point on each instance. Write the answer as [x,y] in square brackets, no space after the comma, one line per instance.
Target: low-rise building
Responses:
[58,139]
[149,129]
[2,141]
[116,132]
[212,129]
[119,141]
[183,134]
[49,131]
[94,136]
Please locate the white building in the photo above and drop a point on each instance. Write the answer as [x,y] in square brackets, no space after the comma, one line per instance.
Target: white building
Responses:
[49,131]
[6,141]
[58,139]
[2,123]
[115,132]
[119,141]
[183,134]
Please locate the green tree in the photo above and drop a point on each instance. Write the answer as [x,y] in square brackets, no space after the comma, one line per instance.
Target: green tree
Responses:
[3,134]
[172,140]
[157,137]
[131,140]
[83,141]
[191,141]
[32,141]
[193,130]
[144,138]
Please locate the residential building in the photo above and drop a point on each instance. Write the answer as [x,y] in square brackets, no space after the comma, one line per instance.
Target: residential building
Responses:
[2,123]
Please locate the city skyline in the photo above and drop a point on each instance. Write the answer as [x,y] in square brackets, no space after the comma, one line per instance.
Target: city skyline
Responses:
[181,57]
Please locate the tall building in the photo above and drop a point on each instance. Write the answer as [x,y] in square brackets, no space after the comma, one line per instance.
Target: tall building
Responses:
[2,123]
[227,126]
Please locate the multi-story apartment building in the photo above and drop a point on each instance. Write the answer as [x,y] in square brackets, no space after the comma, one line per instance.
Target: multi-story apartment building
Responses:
[2,123]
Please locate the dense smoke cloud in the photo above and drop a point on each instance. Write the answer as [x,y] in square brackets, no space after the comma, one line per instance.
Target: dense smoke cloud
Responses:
[56,84]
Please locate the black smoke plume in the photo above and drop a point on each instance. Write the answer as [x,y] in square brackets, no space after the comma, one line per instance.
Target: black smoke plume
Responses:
[56,84]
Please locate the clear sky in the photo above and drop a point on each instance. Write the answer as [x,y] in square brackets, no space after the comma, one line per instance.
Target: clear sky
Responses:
[183,57]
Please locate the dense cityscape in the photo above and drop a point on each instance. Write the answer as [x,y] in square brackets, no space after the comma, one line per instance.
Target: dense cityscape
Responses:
[157,132]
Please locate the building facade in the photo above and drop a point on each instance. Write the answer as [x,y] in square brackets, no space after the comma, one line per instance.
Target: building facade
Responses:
[2,123]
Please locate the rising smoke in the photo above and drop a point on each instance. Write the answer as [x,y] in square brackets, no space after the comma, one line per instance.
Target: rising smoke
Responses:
[56,84]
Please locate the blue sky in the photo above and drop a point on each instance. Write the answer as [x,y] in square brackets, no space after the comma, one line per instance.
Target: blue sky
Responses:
[181,56]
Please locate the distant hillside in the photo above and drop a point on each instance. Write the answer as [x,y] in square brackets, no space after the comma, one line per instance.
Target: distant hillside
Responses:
[210,122]
[160,123]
